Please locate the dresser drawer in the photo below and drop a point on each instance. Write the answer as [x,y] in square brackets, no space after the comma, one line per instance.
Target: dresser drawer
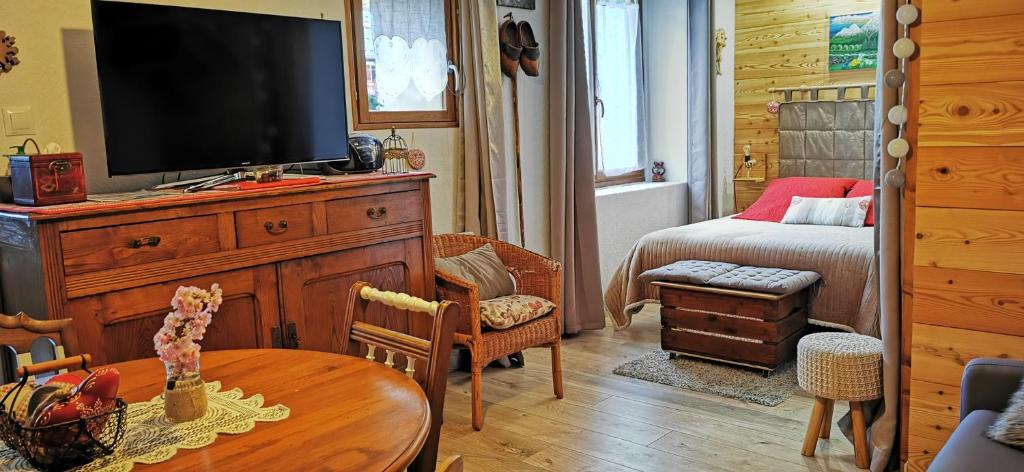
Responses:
[273,225]
[357,213]
[90,250]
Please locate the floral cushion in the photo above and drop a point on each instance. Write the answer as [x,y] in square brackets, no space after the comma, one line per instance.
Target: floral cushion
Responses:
[508,311]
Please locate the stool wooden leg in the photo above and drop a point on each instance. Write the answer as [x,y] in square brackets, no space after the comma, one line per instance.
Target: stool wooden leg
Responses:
[860,440]
[813,427]
[826,419]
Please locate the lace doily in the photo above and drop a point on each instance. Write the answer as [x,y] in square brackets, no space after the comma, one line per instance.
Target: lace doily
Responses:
[149,438]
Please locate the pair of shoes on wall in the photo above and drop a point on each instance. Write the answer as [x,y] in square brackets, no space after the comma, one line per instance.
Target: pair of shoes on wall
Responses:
[519,48]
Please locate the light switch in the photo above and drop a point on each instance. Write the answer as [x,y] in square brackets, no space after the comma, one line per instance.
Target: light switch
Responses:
[18,121]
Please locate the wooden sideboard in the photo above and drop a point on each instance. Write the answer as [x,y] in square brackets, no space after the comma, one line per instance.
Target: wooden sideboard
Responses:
[284,257]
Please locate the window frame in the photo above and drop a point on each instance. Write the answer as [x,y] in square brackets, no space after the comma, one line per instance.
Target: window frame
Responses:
[631,177]
[362,118]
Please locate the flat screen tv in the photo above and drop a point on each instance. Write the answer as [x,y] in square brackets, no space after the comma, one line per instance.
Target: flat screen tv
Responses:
[190,89]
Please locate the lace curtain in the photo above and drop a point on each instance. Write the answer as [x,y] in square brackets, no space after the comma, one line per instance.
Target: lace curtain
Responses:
[620,87]
[408,51]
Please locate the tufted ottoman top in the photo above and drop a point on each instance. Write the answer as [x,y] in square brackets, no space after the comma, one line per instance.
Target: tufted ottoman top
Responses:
[840,366]
[689,272]
[765,279]
[726,275]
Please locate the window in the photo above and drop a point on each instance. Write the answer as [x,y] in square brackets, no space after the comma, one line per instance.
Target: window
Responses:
[620,111]
[402,58]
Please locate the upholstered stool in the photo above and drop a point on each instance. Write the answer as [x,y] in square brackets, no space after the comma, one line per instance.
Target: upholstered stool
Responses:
[839,366]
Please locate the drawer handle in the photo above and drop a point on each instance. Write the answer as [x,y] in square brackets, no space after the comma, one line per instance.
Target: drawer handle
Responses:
[377,213]
[151,241]
[282,226]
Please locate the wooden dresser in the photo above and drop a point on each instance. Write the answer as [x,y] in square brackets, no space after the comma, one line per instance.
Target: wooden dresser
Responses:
[285,259]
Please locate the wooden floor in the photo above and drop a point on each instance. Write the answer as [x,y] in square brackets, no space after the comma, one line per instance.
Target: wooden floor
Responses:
[612,423]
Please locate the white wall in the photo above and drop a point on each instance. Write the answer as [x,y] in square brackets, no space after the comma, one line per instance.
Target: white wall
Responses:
[725,17]
[626,213]
[533,141]
[665,42]
[57,78]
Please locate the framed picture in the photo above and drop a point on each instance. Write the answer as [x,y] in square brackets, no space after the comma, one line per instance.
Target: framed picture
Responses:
[524,4]
[853,41]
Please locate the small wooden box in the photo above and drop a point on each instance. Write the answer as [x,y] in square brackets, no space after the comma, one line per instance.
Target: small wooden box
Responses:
[737,326]
[48,179]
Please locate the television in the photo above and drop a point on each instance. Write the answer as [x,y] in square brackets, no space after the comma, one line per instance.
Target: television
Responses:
[193,89]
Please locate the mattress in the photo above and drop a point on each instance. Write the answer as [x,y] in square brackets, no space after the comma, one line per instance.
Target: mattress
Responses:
[846,299]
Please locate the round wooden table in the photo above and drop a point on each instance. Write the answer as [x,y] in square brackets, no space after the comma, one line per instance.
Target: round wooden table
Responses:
[347,413]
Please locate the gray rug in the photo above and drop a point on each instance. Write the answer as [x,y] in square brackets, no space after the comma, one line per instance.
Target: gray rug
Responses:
[708,377]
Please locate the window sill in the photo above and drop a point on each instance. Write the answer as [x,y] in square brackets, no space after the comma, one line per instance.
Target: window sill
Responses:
[637,187]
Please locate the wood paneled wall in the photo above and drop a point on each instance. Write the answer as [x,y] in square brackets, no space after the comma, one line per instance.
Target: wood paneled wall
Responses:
[780,43]
[964,238]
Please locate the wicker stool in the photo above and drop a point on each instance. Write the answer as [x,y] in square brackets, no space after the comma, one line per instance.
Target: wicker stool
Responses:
[839,366]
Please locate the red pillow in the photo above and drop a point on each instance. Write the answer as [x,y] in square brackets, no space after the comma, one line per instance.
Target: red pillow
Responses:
[775,201]
[865,188]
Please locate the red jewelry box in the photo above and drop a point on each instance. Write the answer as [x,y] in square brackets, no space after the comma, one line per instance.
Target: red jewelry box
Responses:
[48,179]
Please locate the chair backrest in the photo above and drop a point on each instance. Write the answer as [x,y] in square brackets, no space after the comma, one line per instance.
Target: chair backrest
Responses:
[26,340]
[451,464]
[422,359]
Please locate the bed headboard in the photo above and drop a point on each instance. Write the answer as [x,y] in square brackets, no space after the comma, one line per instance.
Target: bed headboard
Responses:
[826,138]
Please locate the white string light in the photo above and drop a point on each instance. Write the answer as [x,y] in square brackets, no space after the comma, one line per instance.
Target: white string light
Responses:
[903,49]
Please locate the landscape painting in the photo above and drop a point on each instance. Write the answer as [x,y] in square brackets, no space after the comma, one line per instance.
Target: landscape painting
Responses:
[525,4]
[853,41]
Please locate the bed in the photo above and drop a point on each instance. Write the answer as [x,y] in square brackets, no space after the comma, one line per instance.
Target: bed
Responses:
[844,256]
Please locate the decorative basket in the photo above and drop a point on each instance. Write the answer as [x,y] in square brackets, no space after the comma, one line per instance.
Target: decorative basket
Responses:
[65,445]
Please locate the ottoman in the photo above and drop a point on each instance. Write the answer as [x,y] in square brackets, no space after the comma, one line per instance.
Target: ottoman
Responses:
[839,366]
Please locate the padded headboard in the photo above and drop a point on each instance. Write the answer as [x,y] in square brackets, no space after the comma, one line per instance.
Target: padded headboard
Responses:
[826,138]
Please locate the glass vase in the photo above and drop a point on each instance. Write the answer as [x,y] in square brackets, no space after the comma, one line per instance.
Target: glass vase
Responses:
[184,393]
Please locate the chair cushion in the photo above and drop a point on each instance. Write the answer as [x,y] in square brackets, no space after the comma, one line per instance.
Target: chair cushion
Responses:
[969,449]
[506,312]
[484,268]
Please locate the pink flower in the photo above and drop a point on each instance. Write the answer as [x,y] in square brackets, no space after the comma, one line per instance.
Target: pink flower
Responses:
[175,341]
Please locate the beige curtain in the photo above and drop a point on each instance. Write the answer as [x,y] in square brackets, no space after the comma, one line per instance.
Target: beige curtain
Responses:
[481,189]
[571,146]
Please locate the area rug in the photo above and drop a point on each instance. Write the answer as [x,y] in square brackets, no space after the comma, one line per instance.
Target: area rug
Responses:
[740,383]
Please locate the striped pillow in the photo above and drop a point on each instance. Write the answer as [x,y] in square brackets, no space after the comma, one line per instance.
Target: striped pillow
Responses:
[827,211]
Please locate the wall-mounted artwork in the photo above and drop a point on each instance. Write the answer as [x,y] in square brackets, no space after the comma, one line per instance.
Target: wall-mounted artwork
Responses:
[853,41]
[524,4]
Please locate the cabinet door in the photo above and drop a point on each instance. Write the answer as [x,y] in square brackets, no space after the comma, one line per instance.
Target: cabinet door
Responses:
[314,291]
[119,326]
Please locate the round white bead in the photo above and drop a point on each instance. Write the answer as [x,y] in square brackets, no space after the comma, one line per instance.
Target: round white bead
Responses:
[898,148]
[898,115]
[906,14]
[904,48]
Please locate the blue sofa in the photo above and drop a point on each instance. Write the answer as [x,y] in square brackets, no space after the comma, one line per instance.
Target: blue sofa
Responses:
[986,389]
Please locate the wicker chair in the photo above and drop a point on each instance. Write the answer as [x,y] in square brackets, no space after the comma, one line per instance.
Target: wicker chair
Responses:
[534,275]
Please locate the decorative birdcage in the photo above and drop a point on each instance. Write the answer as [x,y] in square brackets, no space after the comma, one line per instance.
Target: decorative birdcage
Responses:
[396,154]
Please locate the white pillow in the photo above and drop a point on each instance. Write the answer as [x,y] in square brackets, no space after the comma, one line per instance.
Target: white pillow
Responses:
[828,211]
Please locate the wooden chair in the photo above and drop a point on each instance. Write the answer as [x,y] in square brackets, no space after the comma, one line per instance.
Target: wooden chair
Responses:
[428,357]
[19,333]
[451,464]
[534,275]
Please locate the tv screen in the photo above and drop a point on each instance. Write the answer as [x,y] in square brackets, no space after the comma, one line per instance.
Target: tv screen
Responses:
[189,89]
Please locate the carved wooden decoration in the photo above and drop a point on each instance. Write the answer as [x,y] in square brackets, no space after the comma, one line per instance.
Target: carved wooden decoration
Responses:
[8,53]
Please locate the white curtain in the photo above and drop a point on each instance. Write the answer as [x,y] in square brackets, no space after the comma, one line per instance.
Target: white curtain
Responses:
[406,44]
[619,87]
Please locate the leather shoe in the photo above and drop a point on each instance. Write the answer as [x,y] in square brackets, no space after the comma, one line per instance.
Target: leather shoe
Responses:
[511,48]
[530,59]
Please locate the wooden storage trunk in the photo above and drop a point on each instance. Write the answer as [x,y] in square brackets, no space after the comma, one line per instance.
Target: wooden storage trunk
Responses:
[737,326]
